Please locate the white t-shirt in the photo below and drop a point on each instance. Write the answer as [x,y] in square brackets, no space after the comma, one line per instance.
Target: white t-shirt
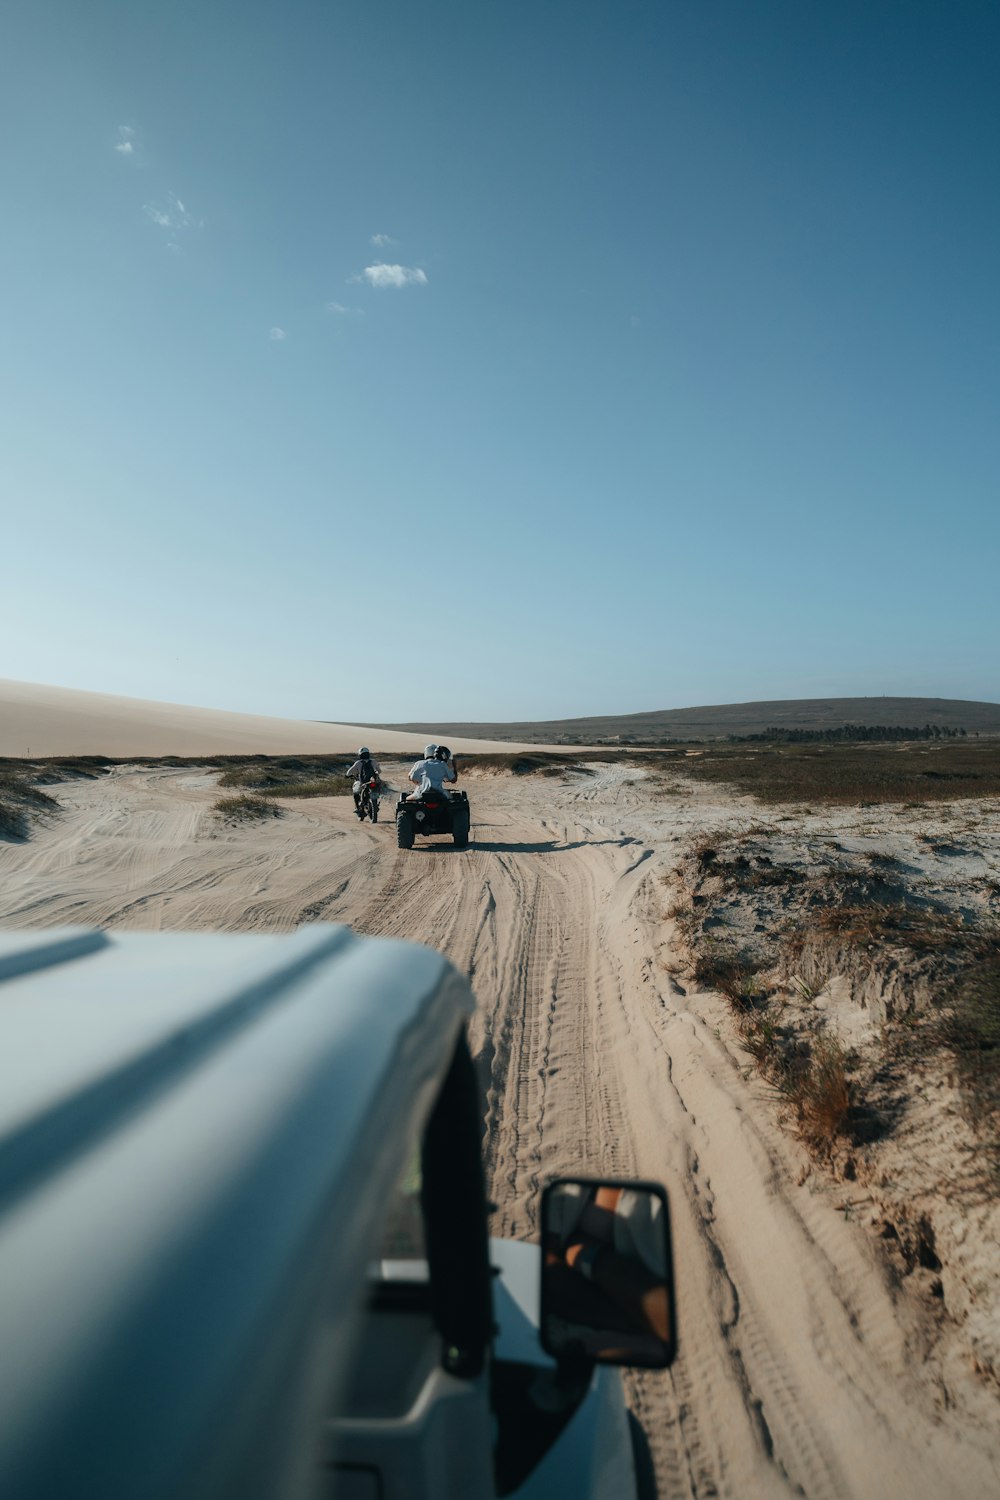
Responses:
[432,775]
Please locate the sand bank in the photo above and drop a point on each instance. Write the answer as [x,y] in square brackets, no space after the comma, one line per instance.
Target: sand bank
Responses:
[38,720]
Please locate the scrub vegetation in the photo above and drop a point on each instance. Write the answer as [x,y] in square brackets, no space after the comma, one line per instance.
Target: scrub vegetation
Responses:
[20,803]
[846,774]
[808,1069]
[782,924]
[970,1028]
[812,775]
[248,807]
[540,763]
[721,721]
[290,777]
[276,776]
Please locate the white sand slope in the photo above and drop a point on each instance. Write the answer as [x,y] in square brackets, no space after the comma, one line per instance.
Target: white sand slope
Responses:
[37,720]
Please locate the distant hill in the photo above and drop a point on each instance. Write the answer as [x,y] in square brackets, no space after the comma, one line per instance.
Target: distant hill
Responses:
[719,720]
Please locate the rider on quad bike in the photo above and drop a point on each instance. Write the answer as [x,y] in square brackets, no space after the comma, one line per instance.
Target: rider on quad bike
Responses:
[363,769]
[430,808]
[431,773]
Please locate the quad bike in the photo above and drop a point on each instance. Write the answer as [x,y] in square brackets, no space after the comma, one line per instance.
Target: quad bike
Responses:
[430,813]
[368,805]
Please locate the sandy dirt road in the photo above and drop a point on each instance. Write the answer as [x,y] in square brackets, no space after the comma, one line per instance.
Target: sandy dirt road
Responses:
[802,1370]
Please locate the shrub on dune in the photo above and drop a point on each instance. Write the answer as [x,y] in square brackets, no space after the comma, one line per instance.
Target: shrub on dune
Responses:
[19,801]
[247,808]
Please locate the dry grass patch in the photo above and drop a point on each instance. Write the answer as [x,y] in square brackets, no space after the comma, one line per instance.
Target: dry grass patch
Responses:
[732,974]
[270,786]
[331,786]
[817,775]
[248,807]
[20,801]
[810,1073]
[919,929]
[290,776]
[970,1029]
[818,1090]
[540,763]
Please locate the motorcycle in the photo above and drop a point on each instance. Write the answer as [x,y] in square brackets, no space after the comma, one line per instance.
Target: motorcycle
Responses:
[369,800]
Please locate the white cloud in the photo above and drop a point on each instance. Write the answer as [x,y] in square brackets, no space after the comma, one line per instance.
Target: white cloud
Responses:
[174,216]
[340,311]
[126,140]
[276,335]
[381,240]
[382,276]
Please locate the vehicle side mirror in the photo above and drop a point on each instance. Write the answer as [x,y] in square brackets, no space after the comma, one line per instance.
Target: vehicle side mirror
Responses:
[607,1273]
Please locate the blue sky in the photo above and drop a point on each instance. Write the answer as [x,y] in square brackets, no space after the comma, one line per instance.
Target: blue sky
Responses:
[688,393]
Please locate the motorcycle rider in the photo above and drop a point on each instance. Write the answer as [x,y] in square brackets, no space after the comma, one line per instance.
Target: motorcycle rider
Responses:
[363,769]
[431,773]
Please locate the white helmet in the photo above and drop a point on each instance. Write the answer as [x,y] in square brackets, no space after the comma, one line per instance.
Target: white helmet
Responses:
[364,750]
[430,751]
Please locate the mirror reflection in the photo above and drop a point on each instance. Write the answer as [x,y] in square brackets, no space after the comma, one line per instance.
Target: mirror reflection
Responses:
[606,1281]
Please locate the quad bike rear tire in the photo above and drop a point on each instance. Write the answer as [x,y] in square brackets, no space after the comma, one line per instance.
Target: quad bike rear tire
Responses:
[404,830]
[460,830]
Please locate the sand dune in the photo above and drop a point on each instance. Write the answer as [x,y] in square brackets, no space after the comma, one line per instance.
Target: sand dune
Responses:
[37,720]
